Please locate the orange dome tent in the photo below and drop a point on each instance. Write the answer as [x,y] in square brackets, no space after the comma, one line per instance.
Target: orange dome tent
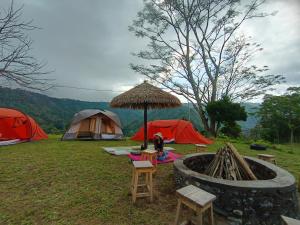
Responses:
[16,126]
[179,131]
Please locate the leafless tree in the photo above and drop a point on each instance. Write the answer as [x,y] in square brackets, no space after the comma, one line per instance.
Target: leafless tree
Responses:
[17,65]
[195,50]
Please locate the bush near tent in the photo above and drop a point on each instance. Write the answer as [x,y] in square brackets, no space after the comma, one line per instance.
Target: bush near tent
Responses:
[180,131]
[94,124]
[15,125]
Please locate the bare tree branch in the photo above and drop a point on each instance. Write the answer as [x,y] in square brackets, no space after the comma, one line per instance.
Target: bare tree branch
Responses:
[16,62]
[196,51]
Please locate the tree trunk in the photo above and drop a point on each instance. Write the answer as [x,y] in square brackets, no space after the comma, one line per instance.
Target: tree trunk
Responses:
[214,90]
[292,136]
[208,125]
[212,127]
[203,118]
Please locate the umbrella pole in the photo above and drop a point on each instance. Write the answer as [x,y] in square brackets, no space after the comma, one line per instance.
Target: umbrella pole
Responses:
[145,126]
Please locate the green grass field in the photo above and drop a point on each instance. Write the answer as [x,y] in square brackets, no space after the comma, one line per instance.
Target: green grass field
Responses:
[54,182]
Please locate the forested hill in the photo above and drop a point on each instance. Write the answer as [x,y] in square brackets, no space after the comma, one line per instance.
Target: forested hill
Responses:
[55,114]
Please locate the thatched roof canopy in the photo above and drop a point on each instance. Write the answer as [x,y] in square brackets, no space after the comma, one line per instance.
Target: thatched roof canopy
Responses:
[136,98]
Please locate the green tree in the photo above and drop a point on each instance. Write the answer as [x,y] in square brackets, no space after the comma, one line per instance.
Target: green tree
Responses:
[280,115]
[226,113]
[195,50]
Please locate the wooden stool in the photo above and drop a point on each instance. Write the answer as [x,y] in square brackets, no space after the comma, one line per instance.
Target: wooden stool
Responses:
[150,155]
[290,221]
[139,168]
[200,148]
[197,200]
[299,183]
[268,158]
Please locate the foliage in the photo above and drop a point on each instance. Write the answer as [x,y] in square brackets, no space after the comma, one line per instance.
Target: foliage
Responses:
[54,115]
[231,129]
[226,113]
[195,51]
[280,116]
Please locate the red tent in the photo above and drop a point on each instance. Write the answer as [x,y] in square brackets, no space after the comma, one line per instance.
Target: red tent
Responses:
[180,131]
[15,125]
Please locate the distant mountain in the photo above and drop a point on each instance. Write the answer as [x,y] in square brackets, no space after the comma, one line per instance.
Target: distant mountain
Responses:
[55,114]
[252,120]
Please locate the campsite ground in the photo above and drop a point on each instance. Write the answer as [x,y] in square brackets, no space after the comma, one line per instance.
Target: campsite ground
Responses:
[54,182]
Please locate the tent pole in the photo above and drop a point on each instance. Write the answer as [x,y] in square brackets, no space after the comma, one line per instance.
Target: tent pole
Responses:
[145,126]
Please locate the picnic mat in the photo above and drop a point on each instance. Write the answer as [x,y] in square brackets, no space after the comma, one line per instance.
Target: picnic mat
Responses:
[118,150]
[171,158]
[125,150]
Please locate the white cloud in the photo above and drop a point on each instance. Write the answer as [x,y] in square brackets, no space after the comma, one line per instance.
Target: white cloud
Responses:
[279,35]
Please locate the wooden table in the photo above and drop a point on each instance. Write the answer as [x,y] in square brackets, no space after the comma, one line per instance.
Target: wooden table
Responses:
[201,148]
[268,158]
[290,221]
[142,168]
[196,199]
[149,155]
[299,184]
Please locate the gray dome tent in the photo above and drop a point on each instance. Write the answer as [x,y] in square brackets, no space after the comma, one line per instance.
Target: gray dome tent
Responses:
[94,124]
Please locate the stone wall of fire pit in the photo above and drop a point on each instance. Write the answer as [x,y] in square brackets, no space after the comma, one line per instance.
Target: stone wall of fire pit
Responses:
[259,202]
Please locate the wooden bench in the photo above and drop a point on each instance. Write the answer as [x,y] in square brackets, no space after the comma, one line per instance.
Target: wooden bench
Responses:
[150,155]
[201,148]
[196,199]
[299,184]
[290,221]
[268,158]
[142,189]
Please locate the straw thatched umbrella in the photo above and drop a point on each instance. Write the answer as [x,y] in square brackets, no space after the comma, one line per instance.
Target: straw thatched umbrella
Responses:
[145,96]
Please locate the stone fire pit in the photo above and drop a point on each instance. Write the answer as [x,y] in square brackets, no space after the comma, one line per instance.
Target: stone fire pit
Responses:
[259,202]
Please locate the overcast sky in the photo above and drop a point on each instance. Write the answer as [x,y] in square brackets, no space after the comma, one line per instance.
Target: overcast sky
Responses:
[87,43]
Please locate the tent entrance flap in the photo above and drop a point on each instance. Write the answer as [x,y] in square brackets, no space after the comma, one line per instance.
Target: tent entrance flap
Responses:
[107,126]
[98,125]
[93,125]
[84,130]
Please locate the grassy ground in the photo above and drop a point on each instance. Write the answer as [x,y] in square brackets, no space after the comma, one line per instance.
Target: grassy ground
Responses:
[54,182]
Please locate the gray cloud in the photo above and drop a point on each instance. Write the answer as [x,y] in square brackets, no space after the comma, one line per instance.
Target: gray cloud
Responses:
[279,35]
[87,43]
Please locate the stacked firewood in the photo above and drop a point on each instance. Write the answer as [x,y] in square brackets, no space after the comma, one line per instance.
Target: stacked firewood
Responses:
[230,165]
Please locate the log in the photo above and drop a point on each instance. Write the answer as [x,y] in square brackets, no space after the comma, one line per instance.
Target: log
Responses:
[229,164]
[242,161]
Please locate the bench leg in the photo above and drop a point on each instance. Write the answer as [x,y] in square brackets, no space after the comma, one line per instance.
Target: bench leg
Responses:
[211,215]
[147,179]
[135,186]
[200,218]
[151,187]
[178,211]
[132,181]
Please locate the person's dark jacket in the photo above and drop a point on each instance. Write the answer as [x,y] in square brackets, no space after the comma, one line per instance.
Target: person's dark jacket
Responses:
[158,144]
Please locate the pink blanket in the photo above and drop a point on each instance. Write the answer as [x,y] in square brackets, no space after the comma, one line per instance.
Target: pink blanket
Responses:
[171,158]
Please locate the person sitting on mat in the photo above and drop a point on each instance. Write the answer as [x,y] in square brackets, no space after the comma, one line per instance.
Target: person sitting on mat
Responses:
[159,146]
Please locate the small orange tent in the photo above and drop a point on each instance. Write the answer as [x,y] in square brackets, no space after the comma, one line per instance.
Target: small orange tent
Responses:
[179,131]
[15,125]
